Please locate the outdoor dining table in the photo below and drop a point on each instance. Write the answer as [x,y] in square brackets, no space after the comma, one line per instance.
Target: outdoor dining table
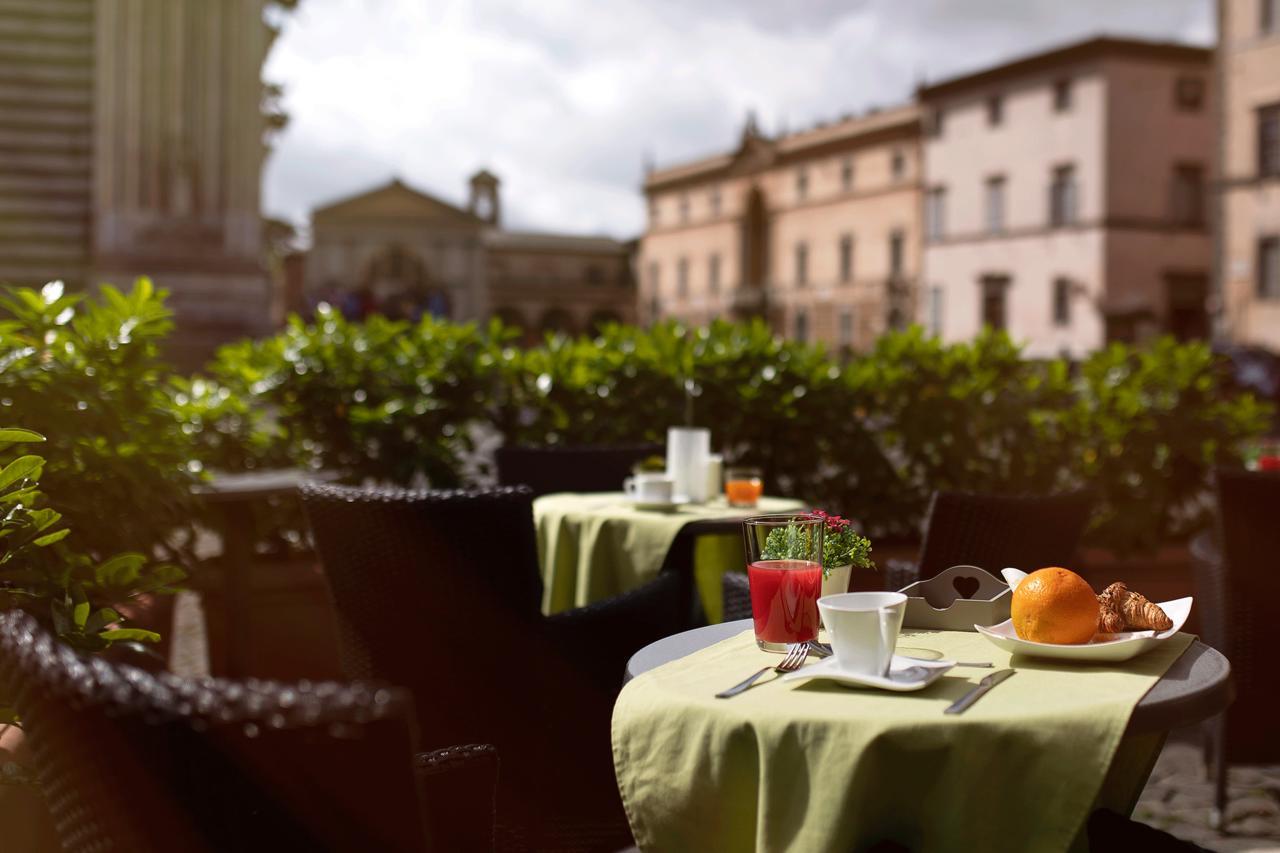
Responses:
[233,496]
[595,545]
[817,766]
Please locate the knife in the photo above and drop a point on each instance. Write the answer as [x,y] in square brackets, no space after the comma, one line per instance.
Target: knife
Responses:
[963,703]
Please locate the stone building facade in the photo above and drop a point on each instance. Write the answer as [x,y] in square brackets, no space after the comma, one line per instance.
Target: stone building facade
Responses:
[133,135]
[400,251]
[1062,196]
[1066,197]
[817,232]
[1249,169]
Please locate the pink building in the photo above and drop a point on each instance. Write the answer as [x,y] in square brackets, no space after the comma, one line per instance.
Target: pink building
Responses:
[816,231]
[1065,196]
[1249,248]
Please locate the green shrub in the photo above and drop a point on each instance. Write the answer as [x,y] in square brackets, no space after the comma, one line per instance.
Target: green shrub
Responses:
[872,438]
[383,399]
[87,372]
[41,572]
[1149,425]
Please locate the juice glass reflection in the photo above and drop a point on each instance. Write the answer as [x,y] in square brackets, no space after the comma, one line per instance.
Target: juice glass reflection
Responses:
[784,569]
[743,486]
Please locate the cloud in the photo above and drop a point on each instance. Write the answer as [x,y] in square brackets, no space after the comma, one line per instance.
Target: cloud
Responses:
[565,99]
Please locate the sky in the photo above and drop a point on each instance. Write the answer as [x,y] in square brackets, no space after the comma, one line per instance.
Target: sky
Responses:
[566,100]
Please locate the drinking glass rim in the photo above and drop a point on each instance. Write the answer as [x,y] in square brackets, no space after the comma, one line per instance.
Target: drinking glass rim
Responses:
[783,518]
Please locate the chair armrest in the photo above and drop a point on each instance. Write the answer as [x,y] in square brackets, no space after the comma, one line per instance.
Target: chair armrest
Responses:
[600,637]
[459,788]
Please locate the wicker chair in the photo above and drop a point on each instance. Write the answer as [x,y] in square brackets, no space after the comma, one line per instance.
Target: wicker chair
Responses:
[570,469]
[141,762]
[994,532]
[441,591]
[1238,593]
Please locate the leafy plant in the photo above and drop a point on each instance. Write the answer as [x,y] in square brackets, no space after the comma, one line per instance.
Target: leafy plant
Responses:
[88,372]
[841,544]
[40,573]
[382,399]
[875,435]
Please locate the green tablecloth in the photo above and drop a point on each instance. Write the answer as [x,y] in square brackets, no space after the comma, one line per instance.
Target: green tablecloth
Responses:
[592,546]
[815,766]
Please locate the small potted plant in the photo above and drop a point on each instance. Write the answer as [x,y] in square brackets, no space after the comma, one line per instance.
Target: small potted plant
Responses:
[842,549]
[650,465]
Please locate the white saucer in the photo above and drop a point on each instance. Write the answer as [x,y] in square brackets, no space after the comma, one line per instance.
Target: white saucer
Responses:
[905,674]
[659,506]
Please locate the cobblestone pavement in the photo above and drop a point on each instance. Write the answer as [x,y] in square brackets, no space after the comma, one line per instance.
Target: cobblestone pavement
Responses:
[1178,797]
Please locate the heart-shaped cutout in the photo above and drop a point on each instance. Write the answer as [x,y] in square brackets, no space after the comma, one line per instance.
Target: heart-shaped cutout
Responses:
[967,587]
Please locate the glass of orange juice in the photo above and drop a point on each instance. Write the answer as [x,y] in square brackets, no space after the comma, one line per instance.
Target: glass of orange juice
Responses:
[743,486]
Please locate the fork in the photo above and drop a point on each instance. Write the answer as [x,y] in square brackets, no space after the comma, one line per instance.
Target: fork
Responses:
[796,653]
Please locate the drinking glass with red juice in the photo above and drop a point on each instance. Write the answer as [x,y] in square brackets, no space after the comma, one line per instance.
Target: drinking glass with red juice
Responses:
[784,569]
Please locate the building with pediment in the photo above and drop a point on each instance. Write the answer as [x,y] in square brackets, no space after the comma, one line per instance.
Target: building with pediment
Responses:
[817,232]
[402,252]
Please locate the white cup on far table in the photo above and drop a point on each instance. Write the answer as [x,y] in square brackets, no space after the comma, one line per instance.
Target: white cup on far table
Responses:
[863,628]
[649,488]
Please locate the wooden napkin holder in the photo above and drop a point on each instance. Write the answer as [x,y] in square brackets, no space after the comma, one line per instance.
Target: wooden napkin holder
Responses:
[956,600]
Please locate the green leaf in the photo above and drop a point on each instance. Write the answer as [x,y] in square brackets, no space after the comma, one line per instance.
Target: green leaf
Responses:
[22,468]
[50,538]
[160,577]
[121,570]
[101,619]
[15,435]
[131,634]
[60,610]
[80,606]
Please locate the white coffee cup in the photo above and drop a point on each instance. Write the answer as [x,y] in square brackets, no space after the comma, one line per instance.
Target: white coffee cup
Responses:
[863,628]
[651,487]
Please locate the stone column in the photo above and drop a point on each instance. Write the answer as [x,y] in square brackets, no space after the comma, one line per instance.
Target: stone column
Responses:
[178,159]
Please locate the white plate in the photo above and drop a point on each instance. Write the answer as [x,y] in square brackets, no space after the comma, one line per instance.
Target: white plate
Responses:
[905,674]
[1105,647]
[659,506]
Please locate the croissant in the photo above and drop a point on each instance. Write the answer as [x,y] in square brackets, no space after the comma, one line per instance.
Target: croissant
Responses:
[1140,614]
[1110,619]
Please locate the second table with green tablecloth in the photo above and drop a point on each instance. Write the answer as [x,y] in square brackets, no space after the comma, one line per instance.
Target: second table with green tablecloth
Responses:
[815,766]
[593,546]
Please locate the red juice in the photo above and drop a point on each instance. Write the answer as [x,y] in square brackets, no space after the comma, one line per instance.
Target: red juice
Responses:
[784,599]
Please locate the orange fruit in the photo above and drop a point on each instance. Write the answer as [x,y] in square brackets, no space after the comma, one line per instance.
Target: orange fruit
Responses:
[1054,605]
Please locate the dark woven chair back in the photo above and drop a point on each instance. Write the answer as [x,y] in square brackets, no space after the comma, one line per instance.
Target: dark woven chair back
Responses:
[998,531]
[570,469]
[138,762]
[1249,519]
[440,592]
[411,571]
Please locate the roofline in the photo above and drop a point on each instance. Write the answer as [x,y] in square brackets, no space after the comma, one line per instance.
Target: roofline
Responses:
[325,208]
[1090,48]
[699,170]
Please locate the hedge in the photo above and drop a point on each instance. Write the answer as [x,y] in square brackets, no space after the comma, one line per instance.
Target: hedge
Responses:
[411,403]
